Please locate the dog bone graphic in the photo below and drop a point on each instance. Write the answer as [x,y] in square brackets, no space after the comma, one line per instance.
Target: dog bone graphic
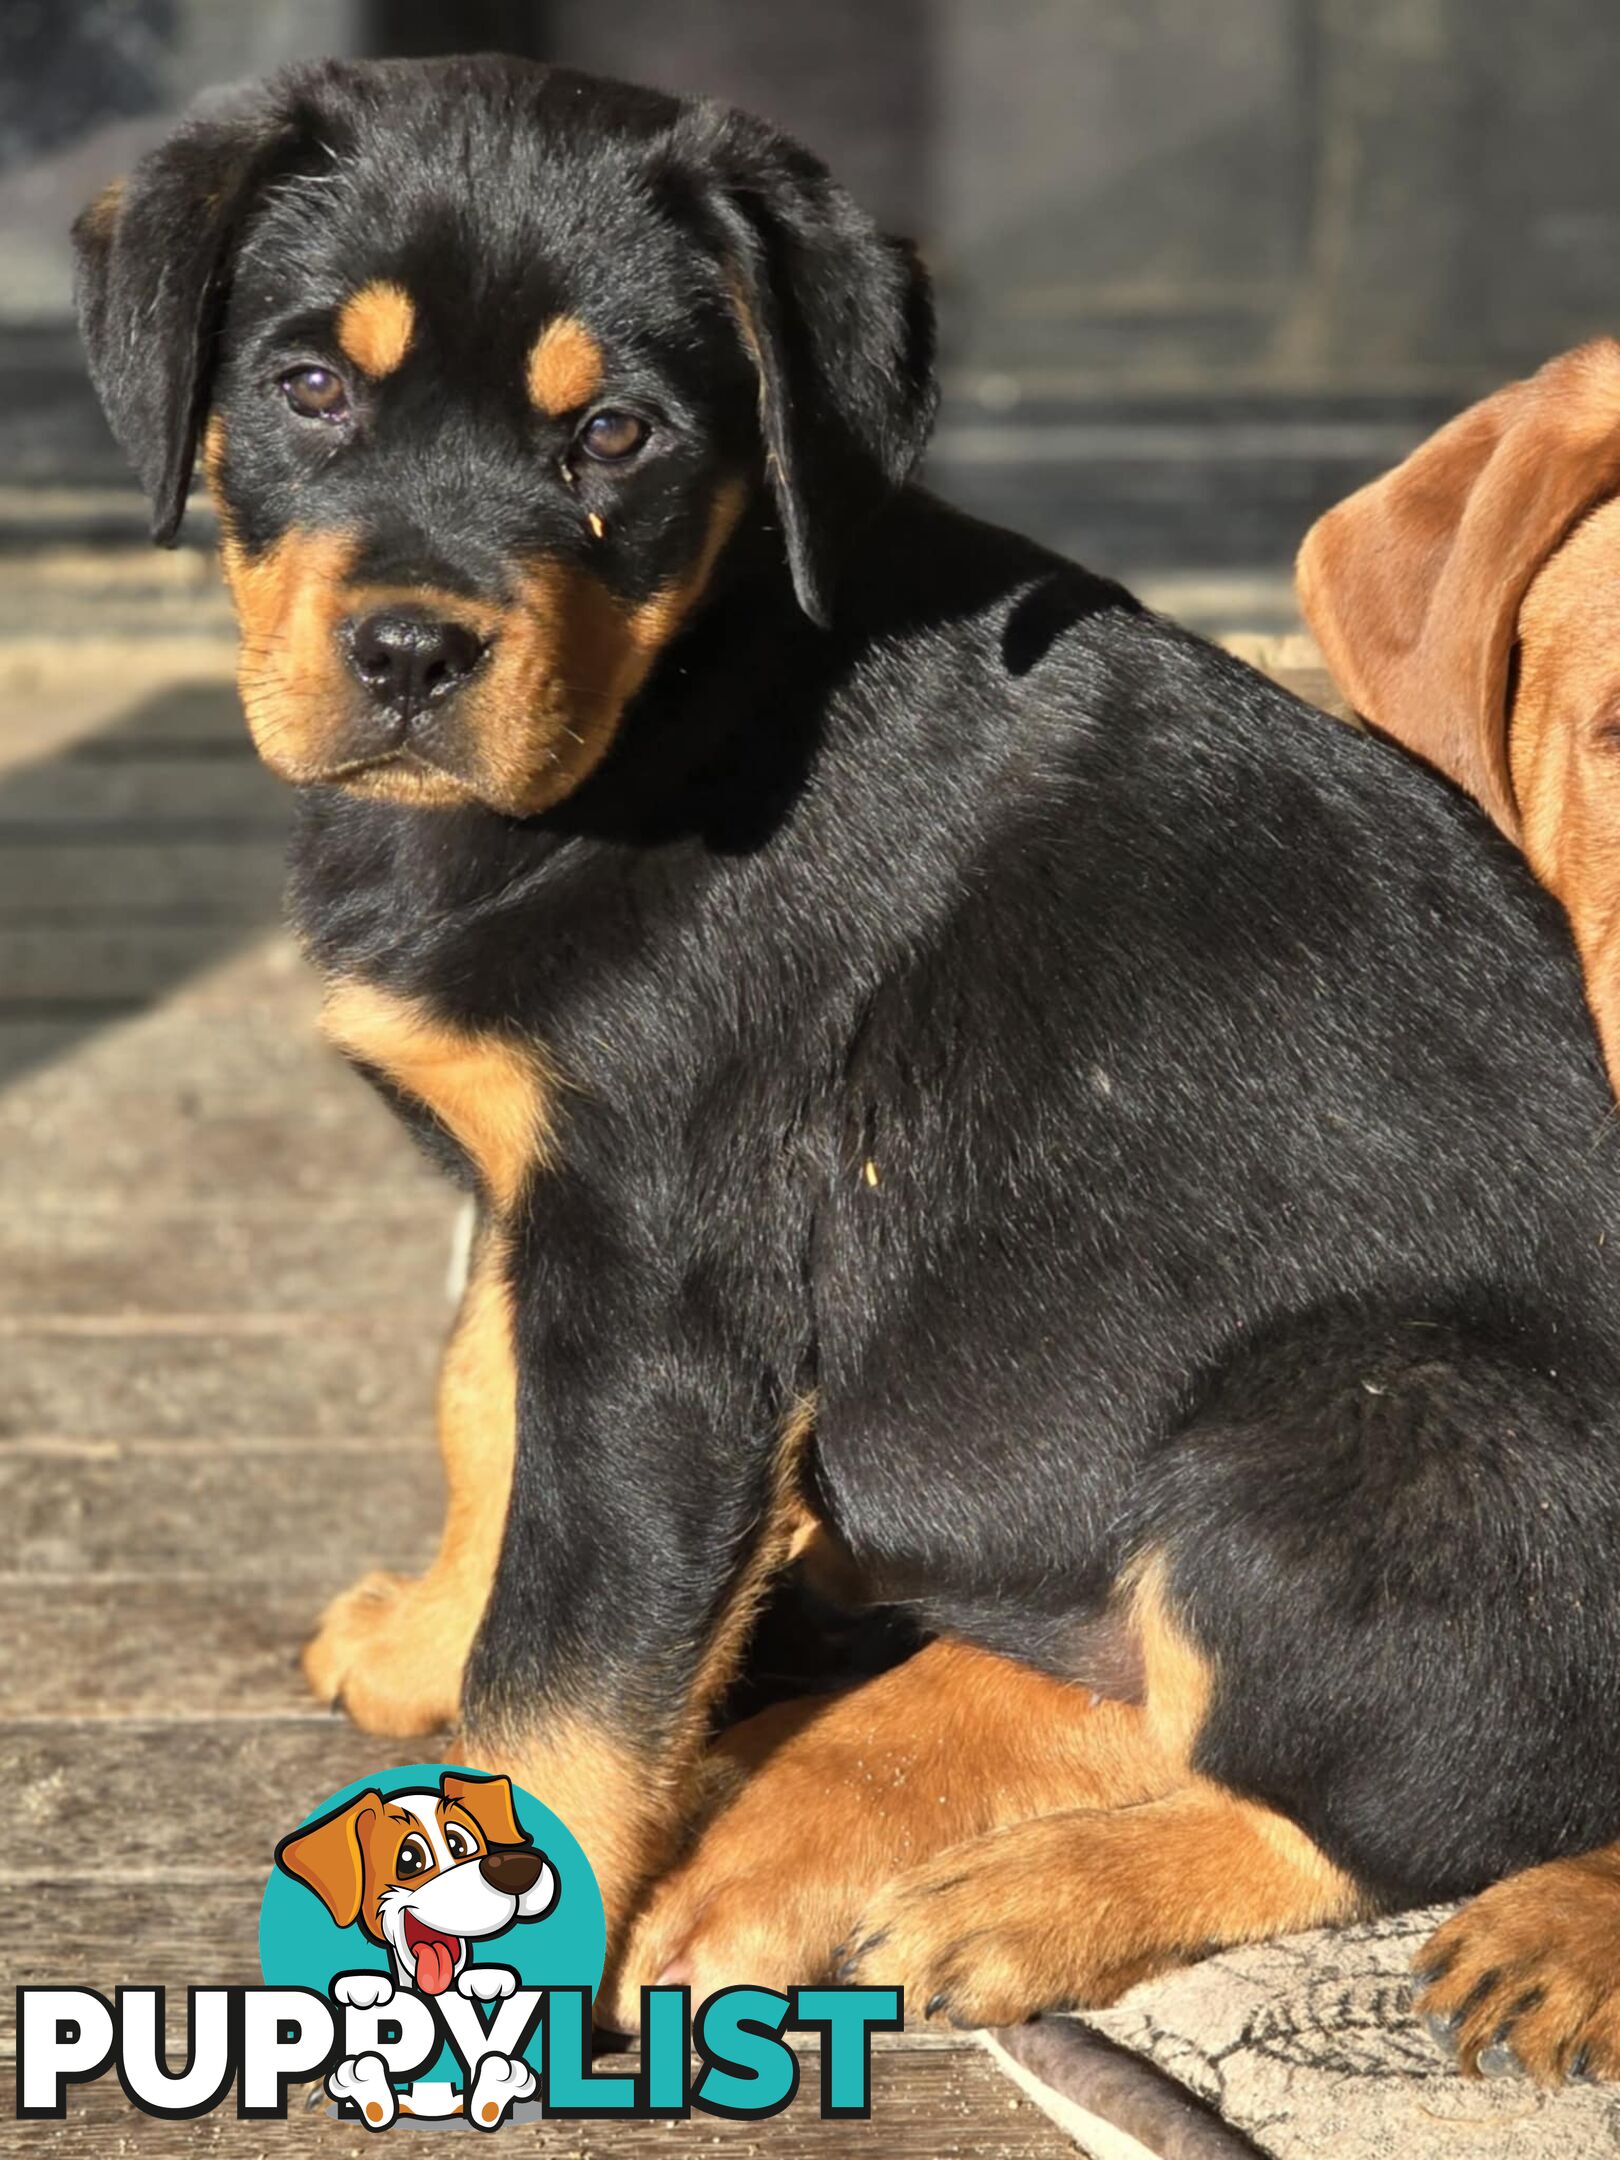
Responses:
[499,2082]
[364,2080]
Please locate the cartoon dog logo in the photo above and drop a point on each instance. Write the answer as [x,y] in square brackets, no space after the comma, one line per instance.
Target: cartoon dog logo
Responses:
[426,1874]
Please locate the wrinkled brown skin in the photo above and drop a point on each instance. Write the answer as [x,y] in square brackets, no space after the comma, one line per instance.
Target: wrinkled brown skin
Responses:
[1466,604]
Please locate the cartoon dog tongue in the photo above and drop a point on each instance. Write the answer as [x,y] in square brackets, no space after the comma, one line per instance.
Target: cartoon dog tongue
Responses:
[435,1956]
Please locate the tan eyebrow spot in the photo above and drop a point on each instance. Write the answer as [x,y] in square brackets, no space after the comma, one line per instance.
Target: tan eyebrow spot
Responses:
[101,218]
[375,325]
[565,366]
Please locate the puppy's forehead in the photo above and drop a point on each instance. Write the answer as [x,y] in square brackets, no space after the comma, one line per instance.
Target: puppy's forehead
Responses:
[484,217]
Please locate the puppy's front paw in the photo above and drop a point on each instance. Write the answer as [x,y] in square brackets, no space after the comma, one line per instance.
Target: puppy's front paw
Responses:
[363,2079]
[392,1651]
[997,1930]
[1532,1968]
[486,1983]
[772,1880]
[502,2080]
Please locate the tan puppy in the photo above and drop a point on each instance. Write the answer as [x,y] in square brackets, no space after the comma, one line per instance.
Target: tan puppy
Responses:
[1466,603]
[1469,605]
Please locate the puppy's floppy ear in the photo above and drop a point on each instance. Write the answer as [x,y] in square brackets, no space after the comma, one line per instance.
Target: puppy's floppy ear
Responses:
[488,1800]
[837,319]
[328,1858]
[1413,585]
[153,258]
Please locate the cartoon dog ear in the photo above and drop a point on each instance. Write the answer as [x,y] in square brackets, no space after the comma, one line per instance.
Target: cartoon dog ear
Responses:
[328,1858]
[837,319]
[153,259]
[1413,585]
[488,1800]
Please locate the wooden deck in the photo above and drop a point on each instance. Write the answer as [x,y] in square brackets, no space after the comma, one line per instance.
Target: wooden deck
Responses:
[222,1290]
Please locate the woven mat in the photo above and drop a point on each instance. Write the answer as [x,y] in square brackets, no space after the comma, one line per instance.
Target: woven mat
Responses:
[1302,2049]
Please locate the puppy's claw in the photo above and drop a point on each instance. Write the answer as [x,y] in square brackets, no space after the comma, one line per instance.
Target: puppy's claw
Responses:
[1499,2061]
[1443,2032]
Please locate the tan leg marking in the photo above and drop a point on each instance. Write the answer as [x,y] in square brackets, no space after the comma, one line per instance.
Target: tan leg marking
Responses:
[375,326]
[823,1806]
[393,1648]
[565,367]
[618,1803]
[1535,1962]
[627,1804]
[1076,1908]
[836,1797]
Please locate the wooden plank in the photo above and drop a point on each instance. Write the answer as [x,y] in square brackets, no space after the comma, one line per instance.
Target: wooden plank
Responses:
[249,1779]
[114,1649]
[928,2100]
[180,1143]
[125,1387]
[242,880]
[135,1261]
[104,960]
[48,712]
[158,793]
[927,2104]
[246,1513]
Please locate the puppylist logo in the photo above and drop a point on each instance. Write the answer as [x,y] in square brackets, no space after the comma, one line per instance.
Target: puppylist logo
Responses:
[431,1943]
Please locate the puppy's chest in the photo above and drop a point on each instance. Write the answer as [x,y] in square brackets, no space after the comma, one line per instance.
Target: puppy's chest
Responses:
[492,1096]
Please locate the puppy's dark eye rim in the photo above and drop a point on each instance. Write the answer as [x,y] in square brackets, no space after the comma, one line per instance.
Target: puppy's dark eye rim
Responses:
[315,391]
[414,1857]
[611,434]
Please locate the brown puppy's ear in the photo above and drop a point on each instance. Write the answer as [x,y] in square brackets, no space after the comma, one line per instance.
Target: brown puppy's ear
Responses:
[488,1800]
[153,257]
[837,320]
[1413,585]
[328,1857]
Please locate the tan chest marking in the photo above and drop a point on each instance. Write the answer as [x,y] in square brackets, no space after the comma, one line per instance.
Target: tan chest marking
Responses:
[490,1094]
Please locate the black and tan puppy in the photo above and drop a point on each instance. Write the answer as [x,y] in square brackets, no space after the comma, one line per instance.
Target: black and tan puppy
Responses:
[944,1057]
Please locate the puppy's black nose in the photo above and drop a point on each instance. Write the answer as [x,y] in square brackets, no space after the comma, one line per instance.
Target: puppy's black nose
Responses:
[408,662]
[513,1872]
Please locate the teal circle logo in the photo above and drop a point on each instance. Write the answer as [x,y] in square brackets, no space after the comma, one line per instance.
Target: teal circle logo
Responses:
[442,1879]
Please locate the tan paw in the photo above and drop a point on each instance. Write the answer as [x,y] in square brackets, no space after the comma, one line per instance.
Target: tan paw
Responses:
[1533,1966]
[814,1817]
[984,1934]
[392,1651]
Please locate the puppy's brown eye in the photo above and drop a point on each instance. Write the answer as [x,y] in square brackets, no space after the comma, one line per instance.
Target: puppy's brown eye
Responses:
[414,1859]
[315,393]
[613,435]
